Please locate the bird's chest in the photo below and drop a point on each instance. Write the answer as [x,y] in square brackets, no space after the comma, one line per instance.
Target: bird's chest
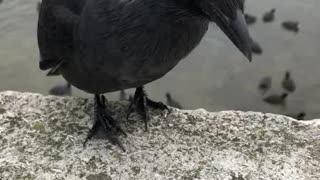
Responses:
[136,43]
[155,49]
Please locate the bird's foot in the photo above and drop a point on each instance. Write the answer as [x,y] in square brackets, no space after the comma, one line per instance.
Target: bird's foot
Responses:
[141,104]
[103,119]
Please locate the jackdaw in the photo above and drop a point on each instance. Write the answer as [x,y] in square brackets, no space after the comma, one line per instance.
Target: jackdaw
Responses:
[102,46]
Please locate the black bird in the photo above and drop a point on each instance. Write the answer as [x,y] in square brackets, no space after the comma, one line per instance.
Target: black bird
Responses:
[172,102]
[250,19]
[276,99]
[297,116]
[265,84]
[61,90]
[288,83]
[269,16]
[291,26]
[256,48]
[102,46]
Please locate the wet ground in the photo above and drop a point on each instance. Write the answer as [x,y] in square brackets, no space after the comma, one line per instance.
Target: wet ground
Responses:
[215,76]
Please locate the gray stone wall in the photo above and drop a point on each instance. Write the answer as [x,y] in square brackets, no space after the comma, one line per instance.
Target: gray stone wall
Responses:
[41,138]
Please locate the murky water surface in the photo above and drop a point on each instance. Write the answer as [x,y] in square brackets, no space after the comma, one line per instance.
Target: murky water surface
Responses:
[215,76]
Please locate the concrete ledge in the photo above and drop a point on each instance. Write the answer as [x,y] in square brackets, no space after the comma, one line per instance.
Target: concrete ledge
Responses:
[41,138]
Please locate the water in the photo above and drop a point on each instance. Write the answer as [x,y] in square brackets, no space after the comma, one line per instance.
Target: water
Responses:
[215,76]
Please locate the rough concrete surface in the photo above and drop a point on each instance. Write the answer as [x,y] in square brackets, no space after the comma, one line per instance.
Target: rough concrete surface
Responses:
[41,138]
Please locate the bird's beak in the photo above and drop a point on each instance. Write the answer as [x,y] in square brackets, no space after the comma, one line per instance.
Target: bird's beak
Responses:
[237,31]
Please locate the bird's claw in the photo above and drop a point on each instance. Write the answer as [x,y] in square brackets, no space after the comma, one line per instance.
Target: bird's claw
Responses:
[110,126]
[141,104]
[157,105]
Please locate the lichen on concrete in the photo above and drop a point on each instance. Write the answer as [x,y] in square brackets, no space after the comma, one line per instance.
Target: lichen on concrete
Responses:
[41,137]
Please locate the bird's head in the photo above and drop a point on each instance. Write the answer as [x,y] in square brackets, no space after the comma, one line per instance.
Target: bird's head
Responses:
[229,16]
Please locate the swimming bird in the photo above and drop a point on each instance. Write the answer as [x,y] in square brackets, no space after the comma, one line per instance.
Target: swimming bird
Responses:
[265,84]
[297,116]
[276,99]
[61,90]
[291,26]
[301,116]
[250,19]
[172,102]
[102,46]
[269,16]
[256,48]
[288,83]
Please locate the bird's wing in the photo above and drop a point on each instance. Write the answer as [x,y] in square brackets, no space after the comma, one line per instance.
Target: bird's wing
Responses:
[57,20]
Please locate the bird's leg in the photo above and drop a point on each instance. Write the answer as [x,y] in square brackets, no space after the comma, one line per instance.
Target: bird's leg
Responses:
[141,104]
[102,118]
